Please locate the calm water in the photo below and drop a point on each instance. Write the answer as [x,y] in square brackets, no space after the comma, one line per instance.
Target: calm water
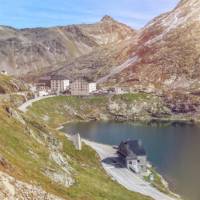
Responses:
[173,149]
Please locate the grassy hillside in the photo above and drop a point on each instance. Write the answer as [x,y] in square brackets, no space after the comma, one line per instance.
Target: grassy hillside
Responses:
[62,109]
[26,149]
[58,110]
[91,180]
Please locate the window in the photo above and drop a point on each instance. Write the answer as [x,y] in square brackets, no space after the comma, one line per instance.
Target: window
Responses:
[130,162]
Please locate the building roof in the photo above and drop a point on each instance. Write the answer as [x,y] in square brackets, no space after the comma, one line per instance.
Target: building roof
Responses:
[83,79]
[58,77]
[131,148]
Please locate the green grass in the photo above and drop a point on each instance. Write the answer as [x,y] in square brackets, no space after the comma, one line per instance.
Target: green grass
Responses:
[15,146]
[91,181]
[132,97]
[64,109]
[157,182]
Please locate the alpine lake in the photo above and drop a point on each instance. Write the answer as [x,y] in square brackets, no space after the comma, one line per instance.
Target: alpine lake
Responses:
[173,148]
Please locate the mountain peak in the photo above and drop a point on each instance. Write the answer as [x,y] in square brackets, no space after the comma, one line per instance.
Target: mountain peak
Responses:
[107,18]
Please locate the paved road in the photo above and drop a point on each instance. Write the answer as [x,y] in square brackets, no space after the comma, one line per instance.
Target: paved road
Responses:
[124,176]
[28,103]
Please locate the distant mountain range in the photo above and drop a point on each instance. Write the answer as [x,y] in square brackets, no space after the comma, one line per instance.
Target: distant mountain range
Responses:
[163,54]
[74,48]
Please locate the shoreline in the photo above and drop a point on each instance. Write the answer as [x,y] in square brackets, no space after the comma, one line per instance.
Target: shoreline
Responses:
[132,181]
[141,120]
[175,118]
[101,150]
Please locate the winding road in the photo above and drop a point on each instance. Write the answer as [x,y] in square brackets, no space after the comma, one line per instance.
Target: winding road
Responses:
[24,106]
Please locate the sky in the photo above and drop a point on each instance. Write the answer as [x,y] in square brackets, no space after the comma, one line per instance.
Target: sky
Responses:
[47,13]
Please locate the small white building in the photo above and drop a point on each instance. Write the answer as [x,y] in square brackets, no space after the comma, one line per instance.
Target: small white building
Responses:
[119,90]
[42,93]
[92,87]
[59,83]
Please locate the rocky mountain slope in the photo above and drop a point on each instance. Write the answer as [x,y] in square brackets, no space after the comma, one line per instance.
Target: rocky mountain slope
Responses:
[165,54]
[167,51]
[37,51]
[14,189]
[9,84]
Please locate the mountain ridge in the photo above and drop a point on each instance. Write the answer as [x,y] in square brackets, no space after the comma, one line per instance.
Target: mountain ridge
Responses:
[34,51]
[165,53]
[168,51]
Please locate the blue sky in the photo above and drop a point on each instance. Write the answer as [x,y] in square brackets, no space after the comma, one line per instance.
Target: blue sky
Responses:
[45,13]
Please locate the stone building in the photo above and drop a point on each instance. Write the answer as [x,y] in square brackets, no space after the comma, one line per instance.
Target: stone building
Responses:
[81,87]
[41,86]
[133,155]
[59,83]
[42,89]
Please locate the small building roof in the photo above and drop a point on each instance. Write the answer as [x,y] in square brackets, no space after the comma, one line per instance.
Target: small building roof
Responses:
[83,79]
[131,148]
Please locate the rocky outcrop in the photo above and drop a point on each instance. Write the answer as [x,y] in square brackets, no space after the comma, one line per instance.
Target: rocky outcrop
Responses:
[57,169]
[4,163]
[63,175]
[59,177]
[144,109]
[9,84]
[181,103]
[13,113]
[12,189]
[166,51]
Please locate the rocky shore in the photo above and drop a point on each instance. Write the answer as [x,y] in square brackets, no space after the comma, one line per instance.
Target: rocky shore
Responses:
[142,107]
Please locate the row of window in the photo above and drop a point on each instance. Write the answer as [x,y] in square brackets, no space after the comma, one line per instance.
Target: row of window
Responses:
[131,162]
